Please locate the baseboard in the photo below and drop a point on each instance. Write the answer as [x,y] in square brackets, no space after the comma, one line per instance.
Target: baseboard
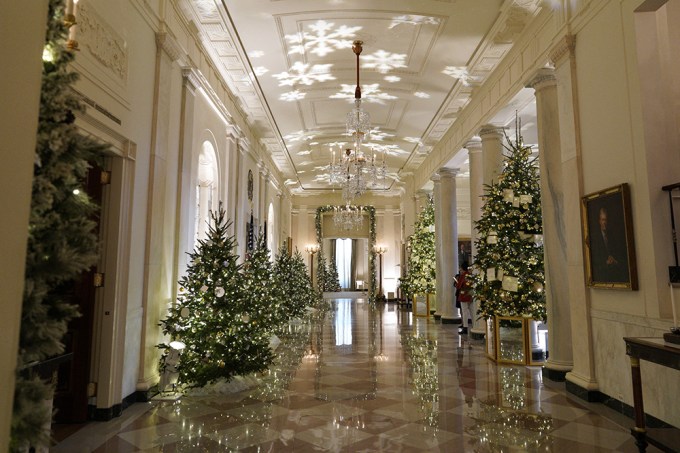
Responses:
[104,414]
[555,375]
[595,396]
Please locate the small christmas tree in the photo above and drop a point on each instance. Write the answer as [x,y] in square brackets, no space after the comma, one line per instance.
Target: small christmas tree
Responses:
[421,275]
[218,315]
[62,239]
[332,279]
[508,274]
[321,271]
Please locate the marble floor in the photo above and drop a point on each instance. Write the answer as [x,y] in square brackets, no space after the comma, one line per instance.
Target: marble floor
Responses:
[369,380]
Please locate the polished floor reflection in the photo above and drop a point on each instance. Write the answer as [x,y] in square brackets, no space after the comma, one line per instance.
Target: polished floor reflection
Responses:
[362,379]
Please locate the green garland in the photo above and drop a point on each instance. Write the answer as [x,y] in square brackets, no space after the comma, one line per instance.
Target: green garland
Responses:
[371,239]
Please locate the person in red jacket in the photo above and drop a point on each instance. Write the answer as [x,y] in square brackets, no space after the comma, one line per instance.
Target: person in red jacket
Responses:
[465,296]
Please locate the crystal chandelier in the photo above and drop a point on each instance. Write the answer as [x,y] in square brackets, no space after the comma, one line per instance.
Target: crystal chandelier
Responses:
[354,171]
[348,217]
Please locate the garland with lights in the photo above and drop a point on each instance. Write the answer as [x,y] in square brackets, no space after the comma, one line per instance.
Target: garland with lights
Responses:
[421,274]
[508,276]
[371,240]
[62,234]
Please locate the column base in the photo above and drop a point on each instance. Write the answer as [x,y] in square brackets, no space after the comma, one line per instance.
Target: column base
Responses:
[585,389]
[476,334]
[449,320]
[437,316]
[556,371]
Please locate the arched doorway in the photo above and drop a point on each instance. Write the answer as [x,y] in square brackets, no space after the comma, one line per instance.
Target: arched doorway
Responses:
[206,190]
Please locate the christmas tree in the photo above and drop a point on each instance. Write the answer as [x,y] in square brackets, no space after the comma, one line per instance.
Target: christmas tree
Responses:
[62,241]
[321,271]
[508,274]
[421,275]
[332,279]
[218,315]
[296,292]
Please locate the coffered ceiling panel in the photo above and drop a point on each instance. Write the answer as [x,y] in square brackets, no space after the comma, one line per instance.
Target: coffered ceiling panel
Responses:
[291,63]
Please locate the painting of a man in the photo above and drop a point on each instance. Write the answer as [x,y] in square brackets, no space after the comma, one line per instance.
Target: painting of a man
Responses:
[610,249]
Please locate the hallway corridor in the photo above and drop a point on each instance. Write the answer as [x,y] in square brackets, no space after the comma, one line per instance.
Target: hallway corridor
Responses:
[362,380]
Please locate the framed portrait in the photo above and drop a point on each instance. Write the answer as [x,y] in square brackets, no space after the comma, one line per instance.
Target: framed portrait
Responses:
[609,248]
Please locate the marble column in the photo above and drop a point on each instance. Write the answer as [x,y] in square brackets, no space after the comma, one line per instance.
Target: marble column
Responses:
[582,375]
[160,249]
[233,134]
[554,235]
[439,284]
[421,200]
[474,147]
[23,41]
[449,245]
[492,152]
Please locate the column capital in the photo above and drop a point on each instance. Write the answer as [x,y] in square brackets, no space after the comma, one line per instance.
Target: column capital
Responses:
[563,49]
[490,131]
[168,44]
[435,178]
[543,78]
[190,79]
[474,145]
[233,132]
[448,172]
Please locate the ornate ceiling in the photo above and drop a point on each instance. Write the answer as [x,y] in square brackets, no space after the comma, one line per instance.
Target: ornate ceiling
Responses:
[290,64]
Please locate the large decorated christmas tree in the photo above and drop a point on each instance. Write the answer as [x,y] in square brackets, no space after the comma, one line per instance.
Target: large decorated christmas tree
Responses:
[508,273]
[421,275]
[224,315]
[62,236]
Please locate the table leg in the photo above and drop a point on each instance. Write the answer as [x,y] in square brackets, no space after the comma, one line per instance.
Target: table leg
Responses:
[639,431]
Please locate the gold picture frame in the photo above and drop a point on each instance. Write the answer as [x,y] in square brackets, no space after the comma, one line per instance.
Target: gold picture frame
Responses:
[609,248]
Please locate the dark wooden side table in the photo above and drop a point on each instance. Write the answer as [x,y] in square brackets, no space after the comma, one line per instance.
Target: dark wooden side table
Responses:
[652,350]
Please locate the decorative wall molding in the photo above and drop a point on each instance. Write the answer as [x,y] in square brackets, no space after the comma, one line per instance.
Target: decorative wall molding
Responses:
[169,45]
[197,79]
[102,41]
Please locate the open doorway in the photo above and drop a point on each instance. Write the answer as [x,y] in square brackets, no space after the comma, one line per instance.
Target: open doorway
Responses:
[350,256]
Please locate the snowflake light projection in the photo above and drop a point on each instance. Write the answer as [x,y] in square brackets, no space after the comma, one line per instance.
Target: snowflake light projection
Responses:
[421,94]
[378,135]
[392,78]
[301,74]
[323,39]
[256,54]
[383,61]
[369,93]
[292,96]
[460,73]
[300,136]
[411,19]
[304,153]
[390,150]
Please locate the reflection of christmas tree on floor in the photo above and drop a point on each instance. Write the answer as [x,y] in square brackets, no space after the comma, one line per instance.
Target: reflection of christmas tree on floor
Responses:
[223,314]
[508,274]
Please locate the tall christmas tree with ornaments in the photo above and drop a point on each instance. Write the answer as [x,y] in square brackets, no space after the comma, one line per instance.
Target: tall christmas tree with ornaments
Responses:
[321,271]
[218,320]
[62,234]
[508,277]
[421,275]
[296,292]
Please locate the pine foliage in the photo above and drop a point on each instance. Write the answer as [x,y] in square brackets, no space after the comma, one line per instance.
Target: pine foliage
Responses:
[421,275]
[223,313]
[332,279]
[296,292]
[321,271]
[508,247]
[62,241]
